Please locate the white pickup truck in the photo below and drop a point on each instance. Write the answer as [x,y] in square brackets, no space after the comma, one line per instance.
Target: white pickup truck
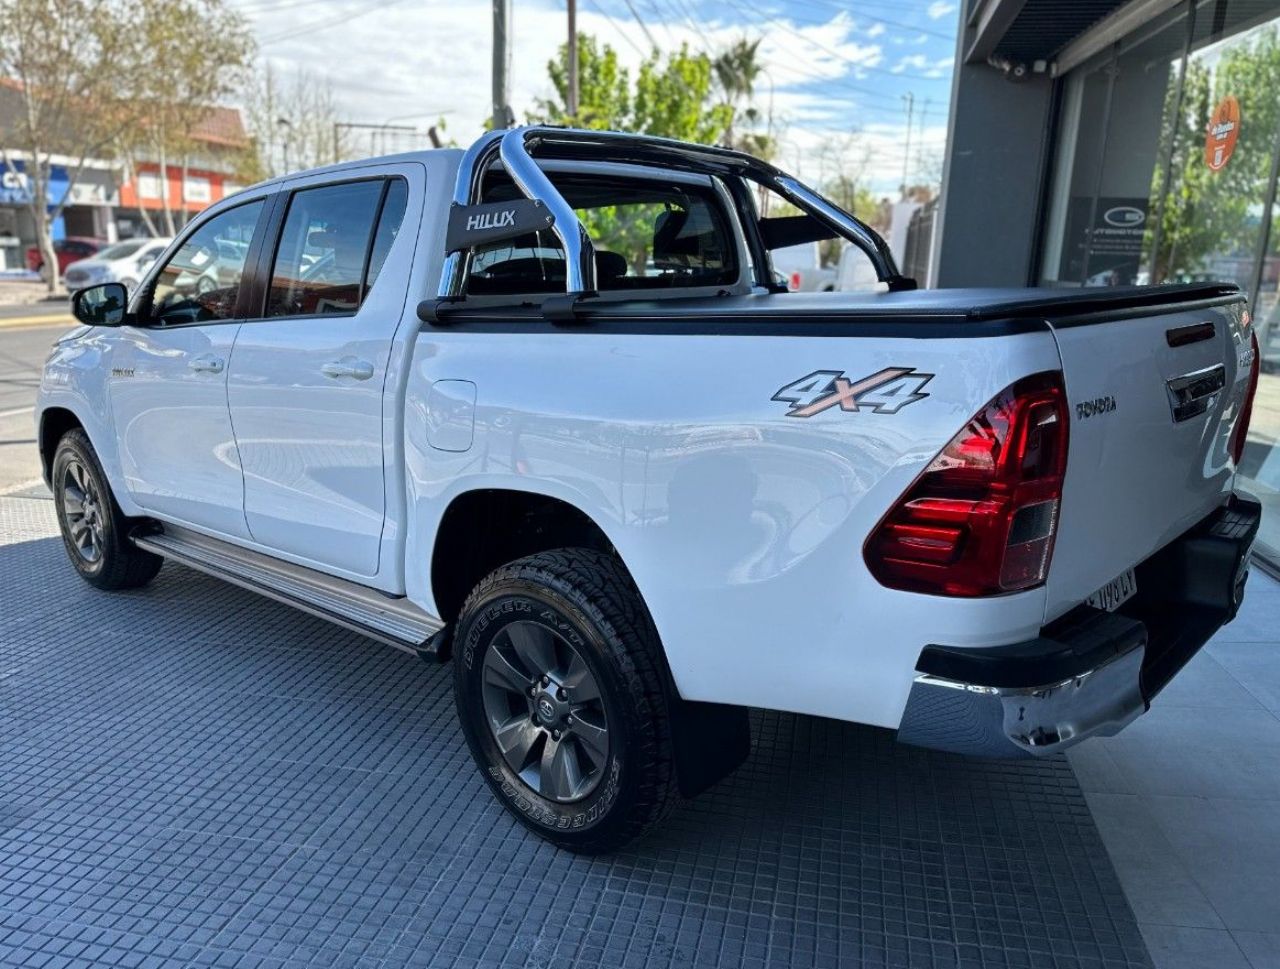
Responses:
[541,408]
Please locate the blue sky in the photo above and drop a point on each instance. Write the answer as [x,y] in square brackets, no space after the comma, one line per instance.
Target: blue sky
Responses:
[836,73]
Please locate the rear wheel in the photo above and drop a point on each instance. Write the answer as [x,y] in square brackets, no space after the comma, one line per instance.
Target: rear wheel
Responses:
[562,699]
[94,531]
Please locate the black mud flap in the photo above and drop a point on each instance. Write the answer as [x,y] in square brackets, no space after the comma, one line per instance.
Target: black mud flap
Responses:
[711,741]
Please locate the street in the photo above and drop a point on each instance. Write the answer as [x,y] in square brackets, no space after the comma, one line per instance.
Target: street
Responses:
[23,348]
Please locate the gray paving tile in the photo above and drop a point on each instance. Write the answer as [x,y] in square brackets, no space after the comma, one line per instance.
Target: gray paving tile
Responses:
[1177,947]
[203,777]
[1255,666]
[1200,752]
[1256,621]
[1262,949]
[1096,771]
[1232,849]
[1156,882]
[1204,682]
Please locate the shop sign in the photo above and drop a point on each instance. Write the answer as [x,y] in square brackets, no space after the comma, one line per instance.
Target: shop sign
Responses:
[1222,134]
[15,187]
[1108,232]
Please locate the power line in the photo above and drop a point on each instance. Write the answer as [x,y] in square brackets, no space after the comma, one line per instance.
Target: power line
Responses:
[877,19]
[744,7]
[652,43]
[618,28]
[342,18]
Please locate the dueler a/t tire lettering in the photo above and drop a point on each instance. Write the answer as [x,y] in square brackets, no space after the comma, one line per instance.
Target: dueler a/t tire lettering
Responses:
[586,602]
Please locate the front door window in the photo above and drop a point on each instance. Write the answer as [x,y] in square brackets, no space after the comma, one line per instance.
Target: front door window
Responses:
[201,281]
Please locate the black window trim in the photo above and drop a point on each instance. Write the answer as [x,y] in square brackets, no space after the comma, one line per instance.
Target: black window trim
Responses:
[265,258]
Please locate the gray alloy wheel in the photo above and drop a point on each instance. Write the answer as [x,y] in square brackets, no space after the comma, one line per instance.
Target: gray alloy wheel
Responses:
[543,708]
[94,531]
[84,510]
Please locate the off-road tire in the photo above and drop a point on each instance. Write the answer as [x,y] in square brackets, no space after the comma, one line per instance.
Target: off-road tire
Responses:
[589,600]
[120,564]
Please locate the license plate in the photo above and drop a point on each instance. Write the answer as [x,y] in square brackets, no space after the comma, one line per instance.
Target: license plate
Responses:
[1115,593]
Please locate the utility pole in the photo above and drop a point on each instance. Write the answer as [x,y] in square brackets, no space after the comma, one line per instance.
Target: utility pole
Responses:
[502,114]
[572,100]
[910,100]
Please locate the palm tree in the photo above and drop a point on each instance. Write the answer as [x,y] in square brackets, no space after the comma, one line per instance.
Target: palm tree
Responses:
[736,69]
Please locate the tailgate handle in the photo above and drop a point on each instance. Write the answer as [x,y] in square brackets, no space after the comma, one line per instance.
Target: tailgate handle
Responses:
[1181,336]
[1194,393]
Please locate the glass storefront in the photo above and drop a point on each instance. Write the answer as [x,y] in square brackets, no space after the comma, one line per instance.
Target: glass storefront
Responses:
[1167,170]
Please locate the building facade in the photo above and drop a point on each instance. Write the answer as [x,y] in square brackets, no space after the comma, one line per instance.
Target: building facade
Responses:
[1110,142]
[112,199]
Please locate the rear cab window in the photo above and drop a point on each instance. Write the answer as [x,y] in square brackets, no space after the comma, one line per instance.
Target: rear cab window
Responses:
[332,246]
[650,234]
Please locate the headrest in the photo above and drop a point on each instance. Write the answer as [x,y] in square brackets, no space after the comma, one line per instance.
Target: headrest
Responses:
[666,231]
[610,265]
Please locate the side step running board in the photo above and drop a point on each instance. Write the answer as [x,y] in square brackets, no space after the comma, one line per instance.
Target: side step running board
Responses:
[394,621]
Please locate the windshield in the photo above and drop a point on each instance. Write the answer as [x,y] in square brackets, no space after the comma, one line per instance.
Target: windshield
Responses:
[122,250]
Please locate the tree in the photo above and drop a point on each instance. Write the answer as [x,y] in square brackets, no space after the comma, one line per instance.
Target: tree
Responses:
[88,72]
[183,80]
[294,124]
[1208,213]
[672,96]
[736,70]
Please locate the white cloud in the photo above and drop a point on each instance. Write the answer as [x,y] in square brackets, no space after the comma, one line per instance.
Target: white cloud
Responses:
[913,62]
[418,61]
[939,9]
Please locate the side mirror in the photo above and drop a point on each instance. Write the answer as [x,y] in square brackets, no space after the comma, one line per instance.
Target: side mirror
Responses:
[103,305]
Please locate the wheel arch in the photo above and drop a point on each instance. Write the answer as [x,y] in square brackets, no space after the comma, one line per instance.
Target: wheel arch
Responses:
[484,528]
[55,422]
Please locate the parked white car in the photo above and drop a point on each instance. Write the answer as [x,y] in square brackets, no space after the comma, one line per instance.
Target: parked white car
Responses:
[631,489]
[855,272]
[123,262]
[801,268]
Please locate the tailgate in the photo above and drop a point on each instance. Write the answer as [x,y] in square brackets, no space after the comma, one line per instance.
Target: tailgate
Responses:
[1153,400]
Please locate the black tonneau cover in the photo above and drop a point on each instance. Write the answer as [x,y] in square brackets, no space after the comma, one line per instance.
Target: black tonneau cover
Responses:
[986,312]
[969,304]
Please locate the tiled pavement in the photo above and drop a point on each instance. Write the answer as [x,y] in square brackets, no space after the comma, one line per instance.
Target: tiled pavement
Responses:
[1188,800]
[192,775]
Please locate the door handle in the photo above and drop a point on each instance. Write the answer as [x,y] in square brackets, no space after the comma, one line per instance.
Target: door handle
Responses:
[206,363]
[348,367]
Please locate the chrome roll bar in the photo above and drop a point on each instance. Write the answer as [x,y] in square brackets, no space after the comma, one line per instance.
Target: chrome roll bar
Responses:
[516,148]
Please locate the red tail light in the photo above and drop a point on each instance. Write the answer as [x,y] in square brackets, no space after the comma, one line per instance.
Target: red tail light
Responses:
[981,518]
[794,284]
[1241,430]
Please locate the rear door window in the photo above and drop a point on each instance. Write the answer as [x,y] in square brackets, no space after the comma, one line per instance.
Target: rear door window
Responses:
[649,234]
[334,241]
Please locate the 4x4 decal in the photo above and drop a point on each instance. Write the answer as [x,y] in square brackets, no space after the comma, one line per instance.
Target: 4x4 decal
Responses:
[884,392]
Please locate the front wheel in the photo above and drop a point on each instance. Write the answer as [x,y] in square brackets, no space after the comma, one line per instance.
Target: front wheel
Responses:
[94,530]
[561,693]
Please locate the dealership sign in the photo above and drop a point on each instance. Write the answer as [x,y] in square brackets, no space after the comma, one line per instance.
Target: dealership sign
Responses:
[1222,134]
[94,187]
[15,187]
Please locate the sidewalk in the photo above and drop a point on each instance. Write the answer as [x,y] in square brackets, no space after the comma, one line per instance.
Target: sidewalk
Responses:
[1187,800]
[24,292]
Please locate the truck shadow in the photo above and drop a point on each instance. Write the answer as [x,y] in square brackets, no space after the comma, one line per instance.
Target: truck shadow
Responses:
[134,726]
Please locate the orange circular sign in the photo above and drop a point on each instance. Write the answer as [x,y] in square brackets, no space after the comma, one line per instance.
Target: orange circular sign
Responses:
[1222,133]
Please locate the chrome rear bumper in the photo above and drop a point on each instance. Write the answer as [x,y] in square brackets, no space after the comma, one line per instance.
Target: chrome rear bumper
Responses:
[1089,673]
